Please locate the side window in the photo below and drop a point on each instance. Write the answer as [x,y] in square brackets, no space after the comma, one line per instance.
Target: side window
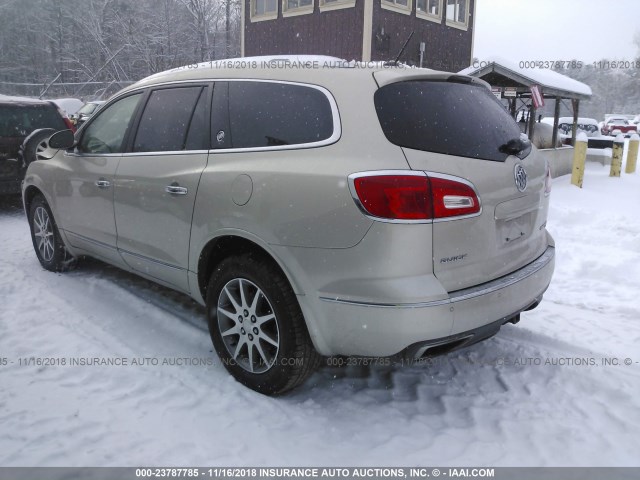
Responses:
[106,133]
[166,119]
[266,114]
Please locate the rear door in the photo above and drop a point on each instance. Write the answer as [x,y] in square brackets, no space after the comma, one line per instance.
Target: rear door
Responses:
[157,180]
[452,127]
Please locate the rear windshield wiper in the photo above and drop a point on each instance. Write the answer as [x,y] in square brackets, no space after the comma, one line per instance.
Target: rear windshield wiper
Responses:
[520,147]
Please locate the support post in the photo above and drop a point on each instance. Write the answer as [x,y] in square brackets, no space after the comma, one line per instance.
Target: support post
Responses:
[556,121]
[632,155]
[576,112]
[579,158]
[532,120]
[616,159]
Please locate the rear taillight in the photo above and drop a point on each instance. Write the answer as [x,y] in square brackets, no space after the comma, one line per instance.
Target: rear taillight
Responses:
[414,196]
[453,198]
[394,197]
[69,124]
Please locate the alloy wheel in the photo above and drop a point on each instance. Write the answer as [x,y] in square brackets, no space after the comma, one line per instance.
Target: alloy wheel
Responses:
[248,325]
[43,231]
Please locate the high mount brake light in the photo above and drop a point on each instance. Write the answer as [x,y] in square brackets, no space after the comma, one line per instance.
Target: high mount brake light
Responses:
[414,197]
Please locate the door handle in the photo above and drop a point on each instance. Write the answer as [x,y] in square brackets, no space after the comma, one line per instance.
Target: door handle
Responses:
[176,190]
[102,183]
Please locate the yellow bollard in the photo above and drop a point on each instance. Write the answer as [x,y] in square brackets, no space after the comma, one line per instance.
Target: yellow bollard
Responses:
[616,160]
[579,157]
[632,155]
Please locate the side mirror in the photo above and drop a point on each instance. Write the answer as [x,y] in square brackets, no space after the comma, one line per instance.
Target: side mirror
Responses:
[62,140]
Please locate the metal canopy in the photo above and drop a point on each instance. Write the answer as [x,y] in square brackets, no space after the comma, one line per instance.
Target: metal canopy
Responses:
[552,85]
[498,75]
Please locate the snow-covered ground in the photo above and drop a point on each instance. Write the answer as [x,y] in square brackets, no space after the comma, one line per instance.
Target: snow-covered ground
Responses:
[473,407]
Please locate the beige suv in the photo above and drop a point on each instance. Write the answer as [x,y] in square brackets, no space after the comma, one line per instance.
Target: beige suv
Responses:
[327,210]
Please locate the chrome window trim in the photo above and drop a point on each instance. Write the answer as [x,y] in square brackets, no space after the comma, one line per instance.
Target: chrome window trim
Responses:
[416,173]
[467,293]
[81,155]
[165,152]
[335,114]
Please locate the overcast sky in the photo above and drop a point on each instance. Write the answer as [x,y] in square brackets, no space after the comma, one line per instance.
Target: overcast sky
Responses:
[587,30]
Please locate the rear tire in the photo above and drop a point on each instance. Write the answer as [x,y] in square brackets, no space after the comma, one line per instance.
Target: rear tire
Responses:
[257,327]
[47,243]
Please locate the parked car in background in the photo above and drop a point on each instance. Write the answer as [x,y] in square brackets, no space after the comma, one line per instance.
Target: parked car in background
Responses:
[312,211]
[636,120]
[616,125]
[69,105]
[85,112]
[18,121]
[589,126]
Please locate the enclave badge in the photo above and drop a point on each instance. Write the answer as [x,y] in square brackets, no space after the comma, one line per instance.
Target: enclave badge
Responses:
[520,175]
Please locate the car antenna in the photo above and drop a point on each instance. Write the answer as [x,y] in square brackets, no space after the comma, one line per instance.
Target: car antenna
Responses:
[395,61]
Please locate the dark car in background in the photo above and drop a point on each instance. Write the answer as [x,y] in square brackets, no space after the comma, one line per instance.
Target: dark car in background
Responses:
[19,119]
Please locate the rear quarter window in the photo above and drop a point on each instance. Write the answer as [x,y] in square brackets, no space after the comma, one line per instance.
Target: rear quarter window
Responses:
[268,114]
[458,119]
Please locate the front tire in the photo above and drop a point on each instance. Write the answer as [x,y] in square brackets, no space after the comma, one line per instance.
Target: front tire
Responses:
[257,327]
[47,243]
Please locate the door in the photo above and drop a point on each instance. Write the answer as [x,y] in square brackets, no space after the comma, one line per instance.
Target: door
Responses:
[84,184]
[157,180]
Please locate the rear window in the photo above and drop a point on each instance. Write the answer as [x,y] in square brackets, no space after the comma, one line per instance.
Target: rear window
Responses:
[458,119]
[21,120]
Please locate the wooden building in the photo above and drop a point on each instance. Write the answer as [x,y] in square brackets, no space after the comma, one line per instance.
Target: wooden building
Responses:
[366,30]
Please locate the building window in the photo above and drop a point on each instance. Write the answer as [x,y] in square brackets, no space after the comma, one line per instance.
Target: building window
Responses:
[264,10]
[326,5]
[400,6]
[429,9]
[296,7]
[458,13]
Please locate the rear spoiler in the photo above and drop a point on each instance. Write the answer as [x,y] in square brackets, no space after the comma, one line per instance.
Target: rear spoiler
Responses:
[399,74]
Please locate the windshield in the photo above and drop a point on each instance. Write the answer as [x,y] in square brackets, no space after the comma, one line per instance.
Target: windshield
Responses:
[459,119]
[88,109]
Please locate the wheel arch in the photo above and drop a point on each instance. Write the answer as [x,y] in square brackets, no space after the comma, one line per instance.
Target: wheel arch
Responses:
[29,194]
[224,246]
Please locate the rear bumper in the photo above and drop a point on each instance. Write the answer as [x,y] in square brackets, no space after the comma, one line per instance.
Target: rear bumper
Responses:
[370,329]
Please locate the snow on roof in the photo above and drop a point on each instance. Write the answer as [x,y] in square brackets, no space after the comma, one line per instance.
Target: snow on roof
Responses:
[10,98]
[537,76]
[69,105]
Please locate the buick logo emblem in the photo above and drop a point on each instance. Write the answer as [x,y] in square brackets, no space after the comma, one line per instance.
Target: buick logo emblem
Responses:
[520,175]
